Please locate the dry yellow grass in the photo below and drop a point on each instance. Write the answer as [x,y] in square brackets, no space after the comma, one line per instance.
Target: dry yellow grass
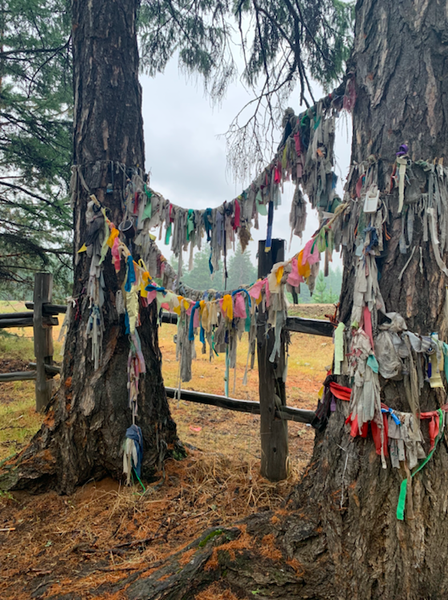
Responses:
[237,434]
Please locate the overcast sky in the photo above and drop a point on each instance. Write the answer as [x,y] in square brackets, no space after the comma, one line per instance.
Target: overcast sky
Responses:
[187,157]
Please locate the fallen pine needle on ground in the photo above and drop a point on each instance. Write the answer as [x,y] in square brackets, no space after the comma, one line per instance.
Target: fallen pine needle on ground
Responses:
[92,539]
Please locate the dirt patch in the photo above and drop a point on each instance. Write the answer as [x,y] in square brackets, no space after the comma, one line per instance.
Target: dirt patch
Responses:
[11,365]
[312,311]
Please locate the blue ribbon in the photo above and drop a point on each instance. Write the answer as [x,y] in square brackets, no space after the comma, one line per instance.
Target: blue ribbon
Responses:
[153,288]
[190,327]
[392,414]
[130,279]
[126,322]
[210,266]
[242,290]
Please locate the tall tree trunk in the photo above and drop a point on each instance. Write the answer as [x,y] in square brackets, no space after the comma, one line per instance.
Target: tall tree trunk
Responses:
[341,537]
[84,430]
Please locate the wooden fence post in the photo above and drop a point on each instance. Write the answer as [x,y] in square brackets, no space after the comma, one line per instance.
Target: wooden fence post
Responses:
[43,339]
[273,432]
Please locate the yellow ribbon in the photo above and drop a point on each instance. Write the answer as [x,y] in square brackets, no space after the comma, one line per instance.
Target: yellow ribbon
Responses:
[183,301]
[113,234]
[227,306]
[144,283]
[304,270]
[279,274]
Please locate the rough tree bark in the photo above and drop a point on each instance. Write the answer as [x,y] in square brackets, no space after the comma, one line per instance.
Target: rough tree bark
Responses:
[85,425]
[339,537]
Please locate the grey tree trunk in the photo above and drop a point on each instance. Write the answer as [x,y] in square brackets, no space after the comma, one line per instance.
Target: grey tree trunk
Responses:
[340,537]
[84,430]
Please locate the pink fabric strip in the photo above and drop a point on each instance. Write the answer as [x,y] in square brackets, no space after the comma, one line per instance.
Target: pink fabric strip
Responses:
[308,256]
[239,306]
[294,278]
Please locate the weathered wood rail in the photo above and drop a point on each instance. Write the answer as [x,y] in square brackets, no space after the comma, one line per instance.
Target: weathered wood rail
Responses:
[293,324]
[286,413]
[42,319]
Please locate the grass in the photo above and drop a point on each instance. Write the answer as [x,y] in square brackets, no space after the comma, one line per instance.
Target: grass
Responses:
[22,334]
[18,418]
[15,347]
[237,434]
[104,532]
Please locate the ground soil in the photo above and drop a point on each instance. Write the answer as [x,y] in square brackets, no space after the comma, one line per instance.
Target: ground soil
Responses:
[11,365]
[82,545]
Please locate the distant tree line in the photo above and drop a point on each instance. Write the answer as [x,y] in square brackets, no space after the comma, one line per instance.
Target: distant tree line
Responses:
[242,271]
[326,289]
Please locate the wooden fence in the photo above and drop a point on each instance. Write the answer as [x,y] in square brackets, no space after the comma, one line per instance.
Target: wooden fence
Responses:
[274,414]
[42,319]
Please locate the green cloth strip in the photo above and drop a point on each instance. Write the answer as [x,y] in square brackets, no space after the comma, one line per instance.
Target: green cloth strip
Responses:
[139,480]
[403,487]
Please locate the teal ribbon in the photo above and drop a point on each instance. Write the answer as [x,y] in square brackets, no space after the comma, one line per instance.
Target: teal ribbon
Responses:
[404,484]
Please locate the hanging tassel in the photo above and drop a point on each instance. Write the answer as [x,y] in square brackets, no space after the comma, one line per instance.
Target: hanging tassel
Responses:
[226,377]
[133,452]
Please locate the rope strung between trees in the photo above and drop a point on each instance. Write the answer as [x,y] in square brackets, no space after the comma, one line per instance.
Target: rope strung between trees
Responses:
[220,319]
[305,157]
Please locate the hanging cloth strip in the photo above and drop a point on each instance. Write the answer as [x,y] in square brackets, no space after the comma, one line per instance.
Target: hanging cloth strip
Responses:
[404,484]
[130,276]
[244,291]
[133,452]
[340,392]
[268,243]
[191,324]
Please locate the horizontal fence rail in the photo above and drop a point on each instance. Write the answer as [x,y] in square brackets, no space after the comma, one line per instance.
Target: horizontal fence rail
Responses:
[50,369]
[16,315]
[294,324]
[310,326]
[18,376]
[11,321]
[48,308]
[287,413]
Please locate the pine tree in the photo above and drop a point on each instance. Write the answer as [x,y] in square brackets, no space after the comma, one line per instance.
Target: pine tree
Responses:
[320,290]
[200,277]
[241,270]
[340,537]
[35,143]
